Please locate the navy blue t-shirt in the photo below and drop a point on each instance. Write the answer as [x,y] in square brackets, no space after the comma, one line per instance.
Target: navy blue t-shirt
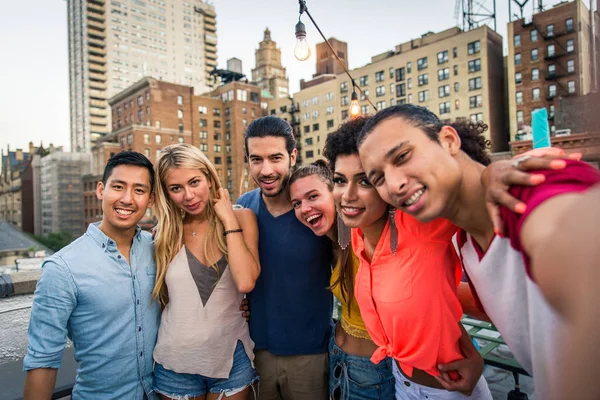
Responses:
[291,304]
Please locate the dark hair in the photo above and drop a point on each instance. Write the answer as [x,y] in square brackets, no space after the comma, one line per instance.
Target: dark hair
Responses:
[342,141]
[128,158]
[319,168]
[270,126]
[473,143]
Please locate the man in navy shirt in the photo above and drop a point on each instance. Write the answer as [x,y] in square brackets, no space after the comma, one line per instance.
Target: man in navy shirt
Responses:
[290,304]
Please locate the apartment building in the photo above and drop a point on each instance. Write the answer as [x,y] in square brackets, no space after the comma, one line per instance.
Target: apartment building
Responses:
[113,44]
[455,74]
[551,57]
[269,74]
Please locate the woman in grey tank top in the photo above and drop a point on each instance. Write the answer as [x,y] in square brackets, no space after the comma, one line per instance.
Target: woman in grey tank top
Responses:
[207,259]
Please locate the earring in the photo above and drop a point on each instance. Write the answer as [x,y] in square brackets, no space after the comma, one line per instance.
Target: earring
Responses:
[393,231]
[343,233]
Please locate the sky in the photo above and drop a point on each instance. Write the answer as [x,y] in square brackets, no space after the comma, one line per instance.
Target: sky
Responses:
[34,76]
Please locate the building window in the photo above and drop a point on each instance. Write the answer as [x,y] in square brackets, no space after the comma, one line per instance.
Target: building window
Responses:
[409,98]
[328,96]
[518,78]
[315,127]
[202,109]
[140,114]
[203,135]
[533,35]
[309,154]
[158,139]
[456,86]
[140,100]
[400,74]
[401,90]
[535,74]
[344,114]
[442,57]
[329,110]
[147,152]
[551,50]
[379,76]
[409,83]
[517,40]
[218,161]
[344,100]
[242,95]
[445,108]
[380,91]
[551,91]
[476,117]
[329,123]
[364,109]
[443,74]
[517,59]
[475,83]
[551,113]
[551,70]
[519,116]
[308,141]
[216,124]
[146,138]
[180,138]
[475,65]
[343,87]
[571,86]
[364,94]
[569,25]
[423,96]
[519,97]
[180,100]
[364,80]
[571,66]
[444,91]
[422,63]
[380,105]
[217,148]
[534,54]
[455,52]
[423,79]
[570,45]
[550,30]
[475,101]
[130,138]
[391,72]
[315,114]
[306,128]
[535,94]
[157,124]
[455,70]
[473,47]
[204,147]
[181,127]
[409,67]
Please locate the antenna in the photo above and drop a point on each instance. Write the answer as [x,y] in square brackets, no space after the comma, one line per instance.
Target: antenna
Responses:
[476,13]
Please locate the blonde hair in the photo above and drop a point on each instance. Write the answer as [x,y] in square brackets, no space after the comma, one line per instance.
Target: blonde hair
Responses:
[169,237]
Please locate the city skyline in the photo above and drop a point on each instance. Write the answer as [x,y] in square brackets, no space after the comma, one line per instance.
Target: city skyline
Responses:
[38,50]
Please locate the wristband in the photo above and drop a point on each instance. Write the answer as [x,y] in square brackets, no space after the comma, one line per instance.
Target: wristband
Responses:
[232,231]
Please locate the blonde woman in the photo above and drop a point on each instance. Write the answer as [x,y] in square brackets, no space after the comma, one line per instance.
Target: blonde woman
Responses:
[206,259]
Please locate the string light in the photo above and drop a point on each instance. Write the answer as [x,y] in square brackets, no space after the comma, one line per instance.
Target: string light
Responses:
[302,53]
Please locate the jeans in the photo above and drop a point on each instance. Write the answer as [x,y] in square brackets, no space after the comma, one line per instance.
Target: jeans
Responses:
[354,377]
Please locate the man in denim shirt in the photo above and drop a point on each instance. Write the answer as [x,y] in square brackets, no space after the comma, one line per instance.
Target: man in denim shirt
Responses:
[97,291]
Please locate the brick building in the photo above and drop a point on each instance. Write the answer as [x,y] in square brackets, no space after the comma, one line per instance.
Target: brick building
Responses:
[551,56]
[152,114]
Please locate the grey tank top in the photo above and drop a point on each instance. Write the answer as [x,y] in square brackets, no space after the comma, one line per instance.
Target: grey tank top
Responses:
[202,323]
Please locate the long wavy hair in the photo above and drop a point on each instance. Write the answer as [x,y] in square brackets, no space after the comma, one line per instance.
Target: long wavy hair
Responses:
[169,236]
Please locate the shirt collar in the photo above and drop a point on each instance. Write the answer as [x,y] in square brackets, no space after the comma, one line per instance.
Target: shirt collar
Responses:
[105,241]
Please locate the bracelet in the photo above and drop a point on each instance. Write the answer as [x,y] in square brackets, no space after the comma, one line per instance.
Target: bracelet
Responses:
[232,231]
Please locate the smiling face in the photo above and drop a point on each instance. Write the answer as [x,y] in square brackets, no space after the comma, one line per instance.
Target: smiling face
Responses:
[270,163]
[189,189]
[313,204]
[125,198]
[413,172]
[357,201]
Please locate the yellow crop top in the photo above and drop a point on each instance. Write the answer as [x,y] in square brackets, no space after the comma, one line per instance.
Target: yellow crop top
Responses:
[351,319]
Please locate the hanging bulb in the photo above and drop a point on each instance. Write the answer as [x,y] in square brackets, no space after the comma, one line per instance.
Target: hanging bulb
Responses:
[302,49]
[354,106]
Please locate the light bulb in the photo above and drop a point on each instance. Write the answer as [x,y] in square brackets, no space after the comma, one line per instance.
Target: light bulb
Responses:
[354,106]
[302,49]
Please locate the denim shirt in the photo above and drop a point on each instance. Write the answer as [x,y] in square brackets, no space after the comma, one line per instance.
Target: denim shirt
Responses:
[89,293]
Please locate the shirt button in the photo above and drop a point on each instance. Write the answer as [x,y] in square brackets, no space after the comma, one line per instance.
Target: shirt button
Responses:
[119,257]
[407,383]
[110,242]
[133,276]
[138,301]
[103,245]
[141,353]
[139,329]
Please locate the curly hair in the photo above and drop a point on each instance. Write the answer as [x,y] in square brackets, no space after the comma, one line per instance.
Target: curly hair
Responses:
[473,143]
[342,141]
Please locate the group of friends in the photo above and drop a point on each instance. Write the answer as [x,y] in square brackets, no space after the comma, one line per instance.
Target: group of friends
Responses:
[407,222]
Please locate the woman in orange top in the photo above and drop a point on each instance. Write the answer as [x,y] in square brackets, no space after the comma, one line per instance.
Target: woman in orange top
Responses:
[430,327]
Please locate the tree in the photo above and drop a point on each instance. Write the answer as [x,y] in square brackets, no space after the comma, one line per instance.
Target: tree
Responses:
[55,241]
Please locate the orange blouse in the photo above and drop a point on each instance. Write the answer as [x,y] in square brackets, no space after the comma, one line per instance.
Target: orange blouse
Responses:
[408,300]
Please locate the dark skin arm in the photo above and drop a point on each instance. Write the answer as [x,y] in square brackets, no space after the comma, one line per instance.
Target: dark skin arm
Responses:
[39,384]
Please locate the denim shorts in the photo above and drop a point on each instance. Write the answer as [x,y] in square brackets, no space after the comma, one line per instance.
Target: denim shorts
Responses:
[354,377]
[183,386]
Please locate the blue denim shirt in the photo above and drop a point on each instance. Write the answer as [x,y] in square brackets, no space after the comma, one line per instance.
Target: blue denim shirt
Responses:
[88,292]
